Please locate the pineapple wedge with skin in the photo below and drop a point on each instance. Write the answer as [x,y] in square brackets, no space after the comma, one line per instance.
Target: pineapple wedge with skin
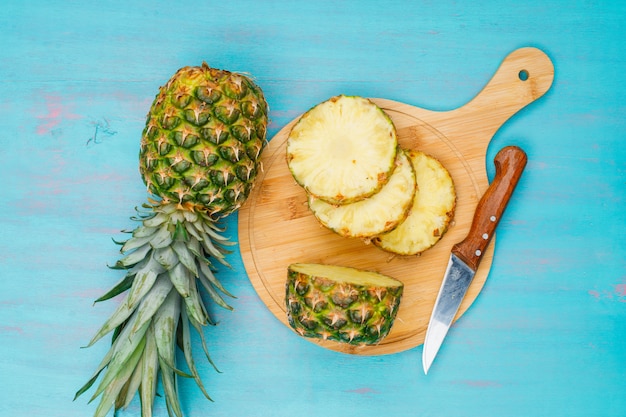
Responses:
[339,303]
[377,214]
[342,150]
[431,212]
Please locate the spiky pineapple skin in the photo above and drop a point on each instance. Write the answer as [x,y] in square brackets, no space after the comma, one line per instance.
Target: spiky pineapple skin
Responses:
[323,308]
[203,137]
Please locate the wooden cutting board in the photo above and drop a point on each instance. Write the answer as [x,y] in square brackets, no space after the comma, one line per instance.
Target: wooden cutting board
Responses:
[277,229]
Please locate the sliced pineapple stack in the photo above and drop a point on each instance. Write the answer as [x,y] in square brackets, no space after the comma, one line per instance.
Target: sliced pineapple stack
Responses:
[431,212]
[344,152]
[366,218]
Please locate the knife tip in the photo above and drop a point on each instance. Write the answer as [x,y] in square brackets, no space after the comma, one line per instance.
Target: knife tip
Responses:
[426,363]
[426,367]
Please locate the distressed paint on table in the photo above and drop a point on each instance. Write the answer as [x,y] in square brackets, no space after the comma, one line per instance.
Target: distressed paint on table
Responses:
[547,335]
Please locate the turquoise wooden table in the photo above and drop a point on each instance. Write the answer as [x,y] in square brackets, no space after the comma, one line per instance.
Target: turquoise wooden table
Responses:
[545,337]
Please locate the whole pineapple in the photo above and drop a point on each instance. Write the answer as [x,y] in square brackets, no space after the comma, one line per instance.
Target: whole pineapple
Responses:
[340,303]
[198,157]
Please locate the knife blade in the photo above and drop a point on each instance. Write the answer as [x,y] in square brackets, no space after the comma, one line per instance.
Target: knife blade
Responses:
[466,255]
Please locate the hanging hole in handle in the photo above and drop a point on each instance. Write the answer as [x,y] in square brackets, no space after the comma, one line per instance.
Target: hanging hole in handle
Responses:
[523,75]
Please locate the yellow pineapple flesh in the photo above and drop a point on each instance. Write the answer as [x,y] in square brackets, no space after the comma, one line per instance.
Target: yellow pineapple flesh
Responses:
[374,215]
[431,212]
[342,150]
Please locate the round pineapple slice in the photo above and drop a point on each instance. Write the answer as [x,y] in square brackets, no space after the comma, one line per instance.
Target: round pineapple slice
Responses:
[339,303]
[342,150]
[431,213]
[377,214]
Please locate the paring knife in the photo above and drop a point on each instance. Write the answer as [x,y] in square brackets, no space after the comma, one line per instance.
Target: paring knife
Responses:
[467,254]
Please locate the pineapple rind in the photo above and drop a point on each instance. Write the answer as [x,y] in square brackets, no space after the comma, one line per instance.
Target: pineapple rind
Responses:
[203,139]
[342,150]
[377,214]
[431,212]
[161,301]
[340,303]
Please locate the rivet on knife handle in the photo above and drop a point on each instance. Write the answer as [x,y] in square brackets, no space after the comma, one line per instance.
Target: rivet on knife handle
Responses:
[509,164]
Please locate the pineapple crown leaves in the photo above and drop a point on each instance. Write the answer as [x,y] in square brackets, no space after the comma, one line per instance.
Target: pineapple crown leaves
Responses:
[168,254]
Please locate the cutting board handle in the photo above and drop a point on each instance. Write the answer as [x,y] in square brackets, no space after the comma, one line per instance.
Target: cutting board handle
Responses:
[523,76]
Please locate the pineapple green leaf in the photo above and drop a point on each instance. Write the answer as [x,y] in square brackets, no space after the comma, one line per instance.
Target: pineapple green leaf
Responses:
[118,317]
[176,215]
[115,386]
[205,268]
[134,243]
[185,256]
[131,387]
[162,238]
[170,209]
[134,257]
[214,230]
[149,373]
[118,266]
[156,220]
[166,257]
[193,231]
[152,301]
[214,251]
[186,348]
[181,373]
[165,324]
[215,233]
[144,214]
[193,246]
[118,330]
[119,288]
[143,231]
[194,305]
[215,296]
[190,216]
[205,348]
[87,385]
[103,364]
[180,234]
[121,360]
[142,283]
[171,390]
[181,277]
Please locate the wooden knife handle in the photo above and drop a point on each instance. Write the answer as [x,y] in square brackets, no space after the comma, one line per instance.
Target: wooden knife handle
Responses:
[510,163]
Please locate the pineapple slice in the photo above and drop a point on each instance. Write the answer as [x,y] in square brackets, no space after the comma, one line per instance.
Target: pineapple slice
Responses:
[432,211]
[339,303]
[377,214]
[342,150]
